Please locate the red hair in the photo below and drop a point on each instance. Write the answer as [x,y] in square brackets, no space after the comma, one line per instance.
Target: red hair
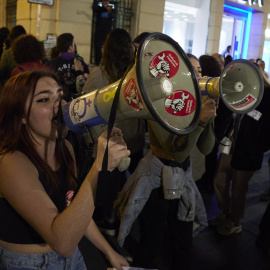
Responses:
[15,136]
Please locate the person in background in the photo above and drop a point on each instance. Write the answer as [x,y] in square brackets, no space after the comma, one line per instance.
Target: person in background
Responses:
[250,141]
[70,70]
[261,64]
[265,196]
[137,40]
[252,60]
[28,53]
[54,53]
[118,55]
[196,65]
[44,209]
[105,16]
[220,59]
[6,44]
[211,68]
[7,62]
[227,51]
[162,194]
[4,32]
[263,238]
[228,59]
[197,158]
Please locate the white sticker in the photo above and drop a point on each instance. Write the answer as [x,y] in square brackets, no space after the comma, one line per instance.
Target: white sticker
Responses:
[255,115]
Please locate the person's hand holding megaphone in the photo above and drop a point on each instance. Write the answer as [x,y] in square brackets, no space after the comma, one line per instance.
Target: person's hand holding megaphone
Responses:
[208,110]
[117,149]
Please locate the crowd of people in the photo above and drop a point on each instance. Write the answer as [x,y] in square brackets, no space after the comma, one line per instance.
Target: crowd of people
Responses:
[49,175]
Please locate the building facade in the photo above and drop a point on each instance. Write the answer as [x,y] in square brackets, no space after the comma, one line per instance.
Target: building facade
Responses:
[199,26]
[209,26]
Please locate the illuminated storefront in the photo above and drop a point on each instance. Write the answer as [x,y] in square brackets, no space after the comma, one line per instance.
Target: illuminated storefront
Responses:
[209,26]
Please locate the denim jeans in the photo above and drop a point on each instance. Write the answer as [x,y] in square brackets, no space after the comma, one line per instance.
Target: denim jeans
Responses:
[50,261]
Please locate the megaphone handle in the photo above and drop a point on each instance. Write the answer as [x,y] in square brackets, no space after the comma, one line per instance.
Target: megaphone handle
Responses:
[124,164]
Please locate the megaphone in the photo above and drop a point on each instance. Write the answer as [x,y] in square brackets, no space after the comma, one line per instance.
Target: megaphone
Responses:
[160,86]
[240,86]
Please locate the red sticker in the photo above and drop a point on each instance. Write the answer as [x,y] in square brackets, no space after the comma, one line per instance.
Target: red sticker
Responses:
[181,103]
[69,197]
[246,101]
[228,69]
[164,63]
[132,95]
[231,67]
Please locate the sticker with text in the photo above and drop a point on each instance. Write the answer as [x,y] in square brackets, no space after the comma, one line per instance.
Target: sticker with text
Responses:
[69,197]
[181,103]
[231,67]
[132,95]
[164,63]
[243,103]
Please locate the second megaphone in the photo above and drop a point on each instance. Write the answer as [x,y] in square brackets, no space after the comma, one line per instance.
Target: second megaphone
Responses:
[240,86]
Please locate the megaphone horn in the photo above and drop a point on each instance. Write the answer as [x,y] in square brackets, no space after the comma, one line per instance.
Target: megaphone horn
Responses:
[160,86]
[240,86]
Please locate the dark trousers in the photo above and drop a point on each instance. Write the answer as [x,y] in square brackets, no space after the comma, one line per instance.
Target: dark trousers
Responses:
[264,228]
[135,159]
[106,210]
[165,241]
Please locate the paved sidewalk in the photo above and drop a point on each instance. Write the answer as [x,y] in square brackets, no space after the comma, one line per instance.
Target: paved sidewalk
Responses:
[235,252]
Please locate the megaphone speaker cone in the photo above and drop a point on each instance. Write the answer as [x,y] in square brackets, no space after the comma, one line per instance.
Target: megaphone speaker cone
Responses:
[161,86]
[179,106]
[241,86]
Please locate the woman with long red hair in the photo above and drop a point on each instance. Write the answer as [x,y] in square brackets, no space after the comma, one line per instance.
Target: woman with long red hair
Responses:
[42,221]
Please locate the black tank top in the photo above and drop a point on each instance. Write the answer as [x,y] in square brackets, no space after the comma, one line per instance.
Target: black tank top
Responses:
[14,229]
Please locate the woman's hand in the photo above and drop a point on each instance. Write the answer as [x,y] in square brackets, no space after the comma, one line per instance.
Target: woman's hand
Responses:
[117,260]
[208,110]
[117,149]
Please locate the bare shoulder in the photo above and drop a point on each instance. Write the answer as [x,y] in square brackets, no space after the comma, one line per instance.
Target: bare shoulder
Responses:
[16,161]
[15,170]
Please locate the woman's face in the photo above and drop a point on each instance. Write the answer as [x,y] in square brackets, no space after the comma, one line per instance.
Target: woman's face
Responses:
[43,114]
[197,68]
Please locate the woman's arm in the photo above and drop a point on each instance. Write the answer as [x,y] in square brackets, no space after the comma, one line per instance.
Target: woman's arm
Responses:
[25,193]
[94,236]
[206,140]
[21,187]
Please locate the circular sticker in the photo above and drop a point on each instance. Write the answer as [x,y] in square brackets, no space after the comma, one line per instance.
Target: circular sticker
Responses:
[164,63]
[181,103]
[132,95]
[69,197]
